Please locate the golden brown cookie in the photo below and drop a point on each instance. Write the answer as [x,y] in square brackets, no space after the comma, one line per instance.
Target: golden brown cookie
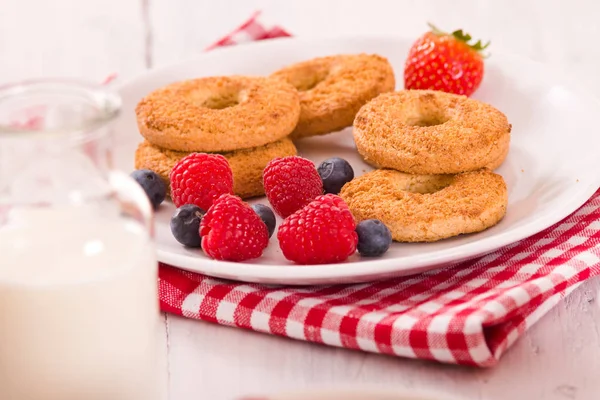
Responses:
[426,208]
[431,132]
[247,165]
[218,114]
[332,89]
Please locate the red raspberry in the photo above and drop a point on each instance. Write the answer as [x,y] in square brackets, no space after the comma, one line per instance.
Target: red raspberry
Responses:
[322,232]
[291,183]
[199,178]
[231,230]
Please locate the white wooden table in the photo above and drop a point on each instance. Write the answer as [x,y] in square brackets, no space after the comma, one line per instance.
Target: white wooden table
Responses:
[558,359]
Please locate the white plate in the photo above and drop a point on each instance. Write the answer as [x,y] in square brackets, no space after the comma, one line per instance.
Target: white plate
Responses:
[550,170]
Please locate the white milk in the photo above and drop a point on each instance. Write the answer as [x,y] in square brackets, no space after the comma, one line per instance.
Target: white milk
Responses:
[78,308]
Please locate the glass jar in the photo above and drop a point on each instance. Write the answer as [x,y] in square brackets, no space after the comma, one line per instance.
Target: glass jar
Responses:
[78,272]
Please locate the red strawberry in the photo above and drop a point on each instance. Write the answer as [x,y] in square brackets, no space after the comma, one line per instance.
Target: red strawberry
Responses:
[200,178]
[291,183]
[231,230]
[322,232]
[445,62]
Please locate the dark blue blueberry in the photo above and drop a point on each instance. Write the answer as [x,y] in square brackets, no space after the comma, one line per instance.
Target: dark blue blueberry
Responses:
[335,173]
[185,225]
[155,188]
[374,238]
[266,214]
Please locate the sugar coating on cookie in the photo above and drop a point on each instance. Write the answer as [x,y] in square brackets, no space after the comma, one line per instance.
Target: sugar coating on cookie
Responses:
[332,89]
[218,114]
[247,165]
[427,208]
[431,132]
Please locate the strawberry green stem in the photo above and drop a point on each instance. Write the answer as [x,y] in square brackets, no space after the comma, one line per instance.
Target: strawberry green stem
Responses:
[462,36]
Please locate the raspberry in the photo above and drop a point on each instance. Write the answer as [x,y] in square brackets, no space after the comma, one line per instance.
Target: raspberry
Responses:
[199,178]
[291,183]
[232,231]
[322,232]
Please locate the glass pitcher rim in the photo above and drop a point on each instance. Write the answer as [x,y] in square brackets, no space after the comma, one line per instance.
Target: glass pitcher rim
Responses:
[107,102]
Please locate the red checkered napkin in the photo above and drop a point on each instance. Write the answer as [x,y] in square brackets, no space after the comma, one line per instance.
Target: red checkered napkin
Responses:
[466,314]
[255,28]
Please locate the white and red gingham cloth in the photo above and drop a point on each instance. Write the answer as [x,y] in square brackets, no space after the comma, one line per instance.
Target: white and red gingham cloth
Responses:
[250,31]
[468,314]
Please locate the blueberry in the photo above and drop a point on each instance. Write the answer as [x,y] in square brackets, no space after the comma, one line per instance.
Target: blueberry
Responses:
[185,225]
[267,215]
[335,173]
[155,188]
[374,238]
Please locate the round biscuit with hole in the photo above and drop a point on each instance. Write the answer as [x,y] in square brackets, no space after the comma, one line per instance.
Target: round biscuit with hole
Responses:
[217,114]
[332,89]
[427,208]
[431,132]
[247,165]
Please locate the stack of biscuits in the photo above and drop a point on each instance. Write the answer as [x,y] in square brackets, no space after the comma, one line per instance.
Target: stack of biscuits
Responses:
[436,153]
[252,120]
[205,116]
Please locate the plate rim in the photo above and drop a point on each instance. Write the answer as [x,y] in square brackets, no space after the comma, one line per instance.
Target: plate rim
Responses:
[352,271]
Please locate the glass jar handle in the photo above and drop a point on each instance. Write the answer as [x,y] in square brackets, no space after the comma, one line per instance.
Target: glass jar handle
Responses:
[134,201]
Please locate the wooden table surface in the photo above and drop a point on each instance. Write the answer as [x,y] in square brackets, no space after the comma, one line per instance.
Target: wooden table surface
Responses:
[558,359]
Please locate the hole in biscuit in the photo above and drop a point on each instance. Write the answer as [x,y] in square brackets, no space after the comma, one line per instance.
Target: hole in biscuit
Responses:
[427,184]
[220,102]
[309,83]
[426,120]
[307,78]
